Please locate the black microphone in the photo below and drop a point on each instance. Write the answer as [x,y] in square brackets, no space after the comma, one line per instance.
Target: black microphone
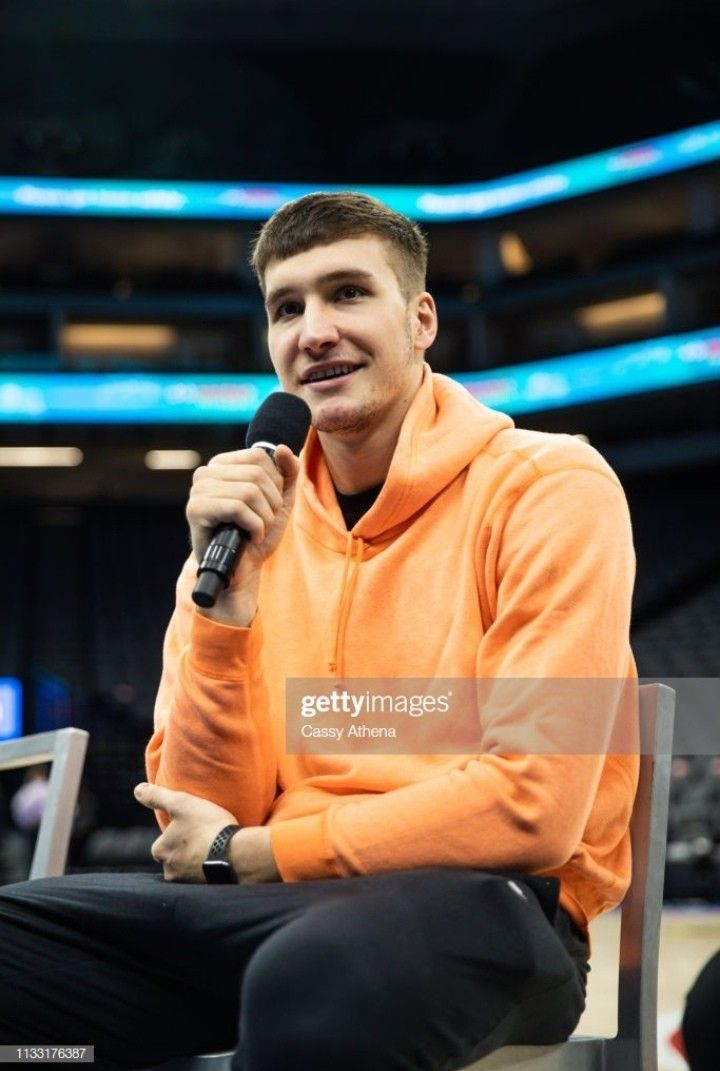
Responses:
[282,418]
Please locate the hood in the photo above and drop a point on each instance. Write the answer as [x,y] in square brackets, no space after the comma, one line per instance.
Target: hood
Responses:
[443,431]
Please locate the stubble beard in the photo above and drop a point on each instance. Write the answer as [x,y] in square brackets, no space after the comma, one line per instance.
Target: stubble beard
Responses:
[345,421]
[348,421]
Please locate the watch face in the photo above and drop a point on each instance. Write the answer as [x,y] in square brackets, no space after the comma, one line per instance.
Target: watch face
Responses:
[219,872]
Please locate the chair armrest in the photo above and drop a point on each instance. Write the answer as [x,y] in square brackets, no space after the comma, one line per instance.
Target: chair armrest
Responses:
[65,749]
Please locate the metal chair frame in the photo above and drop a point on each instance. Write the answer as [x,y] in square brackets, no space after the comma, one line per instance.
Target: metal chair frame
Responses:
[634,1047]
[65,749]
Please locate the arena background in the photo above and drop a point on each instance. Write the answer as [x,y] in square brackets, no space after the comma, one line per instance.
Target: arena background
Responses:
[421,93]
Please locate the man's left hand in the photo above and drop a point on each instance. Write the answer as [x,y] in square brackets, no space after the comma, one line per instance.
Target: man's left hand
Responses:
[194,822]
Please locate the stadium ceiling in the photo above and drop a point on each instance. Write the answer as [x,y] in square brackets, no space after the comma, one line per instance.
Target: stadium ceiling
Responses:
[332,91]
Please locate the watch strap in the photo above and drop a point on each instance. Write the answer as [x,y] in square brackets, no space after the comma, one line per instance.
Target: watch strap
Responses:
[217,867]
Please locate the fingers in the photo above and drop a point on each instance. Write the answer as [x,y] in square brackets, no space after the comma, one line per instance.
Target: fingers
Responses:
[161,854]
[157,849]
[238,502]
[158,798]
[289,468]
[244,488]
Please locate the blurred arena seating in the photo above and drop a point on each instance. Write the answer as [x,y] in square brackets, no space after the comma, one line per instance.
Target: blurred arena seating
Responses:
[676,625]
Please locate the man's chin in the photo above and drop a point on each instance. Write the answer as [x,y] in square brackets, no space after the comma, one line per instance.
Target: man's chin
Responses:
[341,419]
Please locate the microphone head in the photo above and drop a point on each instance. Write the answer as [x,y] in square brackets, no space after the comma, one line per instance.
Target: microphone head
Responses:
[282,418]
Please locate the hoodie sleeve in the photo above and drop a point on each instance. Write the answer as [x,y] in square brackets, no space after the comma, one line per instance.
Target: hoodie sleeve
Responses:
[556,576]
[210,737]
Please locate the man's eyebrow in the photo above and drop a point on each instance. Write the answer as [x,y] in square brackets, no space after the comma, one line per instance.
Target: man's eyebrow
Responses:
[346,274]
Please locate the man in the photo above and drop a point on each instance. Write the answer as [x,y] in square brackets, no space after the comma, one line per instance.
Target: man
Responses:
[391,911]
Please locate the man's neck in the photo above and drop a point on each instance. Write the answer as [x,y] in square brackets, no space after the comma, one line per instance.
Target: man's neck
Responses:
[357,463]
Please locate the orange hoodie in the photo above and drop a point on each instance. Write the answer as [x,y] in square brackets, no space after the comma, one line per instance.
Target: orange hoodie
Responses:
[490,552]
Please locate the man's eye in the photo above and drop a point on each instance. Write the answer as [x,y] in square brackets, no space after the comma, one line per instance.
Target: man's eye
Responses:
[348,293]
[288,308]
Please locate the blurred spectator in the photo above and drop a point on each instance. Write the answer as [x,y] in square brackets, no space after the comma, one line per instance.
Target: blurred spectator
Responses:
[14,850]
[20,821]
[28,803]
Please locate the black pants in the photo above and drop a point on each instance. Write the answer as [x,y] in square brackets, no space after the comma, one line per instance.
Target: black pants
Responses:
[422,970]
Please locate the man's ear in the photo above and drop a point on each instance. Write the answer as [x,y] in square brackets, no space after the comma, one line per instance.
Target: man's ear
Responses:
[425,321]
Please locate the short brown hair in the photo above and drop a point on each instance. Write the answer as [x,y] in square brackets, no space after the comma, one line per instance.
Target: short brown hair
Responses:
[323,218]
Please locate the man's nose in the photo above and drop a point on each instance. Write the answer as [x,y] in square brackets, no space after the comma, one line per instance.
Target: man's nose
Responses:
[318,330]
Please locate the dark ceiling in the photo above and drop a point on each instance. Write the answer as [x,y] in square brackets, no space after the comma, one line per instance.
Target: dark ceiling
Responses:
[398,90]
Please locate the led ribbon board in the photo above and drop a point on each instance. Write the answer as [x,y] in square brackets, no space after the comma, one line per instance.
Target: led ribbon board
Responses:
[102,398]
[133,199]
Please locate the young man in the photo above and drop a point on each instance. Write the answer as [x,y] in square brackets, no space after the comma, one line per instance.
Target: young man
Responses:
[391,911]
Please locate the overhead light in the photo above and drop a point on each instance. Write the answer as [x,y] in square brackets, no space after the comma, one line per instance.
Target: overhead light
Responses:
[642,310]
[117,337]
[172,459]
[40,457]
[514,255]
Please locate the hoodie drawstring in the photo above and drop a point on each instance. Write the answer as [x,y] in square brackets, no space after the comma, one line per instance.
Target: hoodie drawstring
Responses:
[353,556]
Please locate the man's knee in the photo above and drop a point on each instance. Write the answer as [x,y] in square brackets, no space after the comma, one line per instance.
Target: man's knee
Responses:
[317,990]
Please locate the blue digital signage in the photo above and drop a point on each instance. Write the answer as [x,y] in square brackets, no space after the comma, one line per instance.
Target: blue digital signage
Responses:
[11,720]
[136,199]
[555,383]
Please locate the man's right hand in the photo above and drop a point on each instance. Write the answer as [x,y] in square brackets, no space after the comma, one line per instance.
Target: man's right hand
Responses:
[249,489]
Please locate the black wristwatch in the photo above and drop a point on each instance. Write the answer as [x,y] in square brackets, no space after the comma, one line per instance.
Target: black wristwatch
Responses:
[217,868]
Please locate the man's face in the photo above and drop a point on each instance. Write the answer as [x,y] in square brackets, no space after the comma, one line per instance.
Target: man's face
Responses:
[344,338]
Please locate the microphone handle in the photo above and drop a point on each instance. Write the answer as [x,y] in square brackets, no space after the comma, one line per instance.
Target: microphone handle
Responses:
[217,564]
[223,551]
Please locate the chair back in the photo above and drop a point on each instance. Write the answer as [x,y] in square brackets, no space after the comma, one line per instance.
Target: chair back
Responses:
[65,749]
[642,906]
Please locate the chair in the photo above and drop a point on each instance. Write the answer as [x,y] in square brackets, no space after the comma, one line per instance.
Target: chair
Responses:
[65,749]
[634,1048]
